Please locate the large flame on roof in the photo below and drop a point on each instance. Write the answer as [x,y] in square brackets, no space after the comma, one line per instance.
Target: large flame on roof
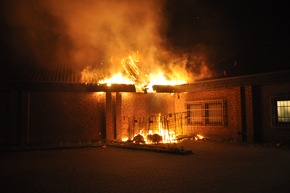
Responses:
[132,74]
[88,37]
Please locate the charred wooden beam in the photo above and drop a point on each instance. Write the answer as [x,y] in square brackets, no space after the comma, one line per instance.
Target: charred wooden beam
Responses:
[69,87]
[164,88]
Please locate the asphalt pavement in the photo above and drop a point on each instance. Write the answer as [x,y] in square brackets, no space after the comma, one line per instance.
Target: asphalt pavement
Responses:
[213,167]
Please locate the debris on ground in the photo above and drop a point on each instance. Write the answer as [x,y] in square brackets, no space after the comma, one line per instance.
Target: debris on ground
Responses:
[159,148]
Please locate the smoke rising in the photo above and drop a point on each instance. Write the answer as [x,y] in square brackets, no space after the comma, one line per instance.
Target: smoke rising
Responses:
[82,33]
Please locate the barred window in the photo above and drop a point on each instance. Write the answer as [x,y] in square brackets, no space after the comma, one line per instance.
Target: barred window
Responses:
[195,114]
[281,112]
[210,112]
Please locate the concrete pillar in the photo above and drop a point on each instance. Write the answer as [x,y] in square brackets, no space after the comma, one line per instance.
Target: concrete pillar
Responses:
[249,113]
[239,114]
[110,122]
[118,116]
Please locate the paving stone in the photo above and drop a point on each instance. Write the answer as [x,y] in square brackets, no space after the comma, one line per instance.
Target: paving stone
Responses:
[213,167]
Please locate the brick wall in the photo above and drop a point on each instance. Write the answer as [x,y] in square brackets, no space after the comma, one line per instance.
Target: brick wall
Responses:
[8,118]
[52,117]
[271,133]
[134,104]
[139,104]
[249,114]
[232,96]
[66,117]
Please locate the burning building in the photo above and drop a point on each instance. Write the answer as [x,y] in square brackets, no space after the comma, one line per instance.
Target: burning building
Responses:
[80,78]
[56,106]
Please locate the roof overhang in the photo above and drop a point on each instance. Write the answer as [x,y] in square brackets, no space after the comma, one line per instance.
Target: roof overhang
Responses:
[66,87]
[272,78]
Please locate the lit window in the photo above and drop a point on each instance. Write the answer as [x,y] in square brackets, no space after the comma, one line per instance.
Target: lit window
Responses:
[281,112]
[211,112]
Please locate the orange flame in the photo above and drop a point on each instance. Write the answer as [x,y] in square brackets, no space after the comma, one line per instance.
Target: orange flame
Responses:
[132,74]
[116,79]
[166,135]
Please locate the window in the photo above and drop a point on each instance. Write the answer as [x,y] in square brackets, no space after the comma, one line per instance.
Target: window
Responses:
[211,112]
[281,112]
[195,114]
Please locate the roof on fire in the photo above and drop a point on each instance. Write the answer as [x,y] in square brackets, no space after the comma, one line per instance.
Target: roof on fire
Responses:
[53,79]
[264,64]
[254,64]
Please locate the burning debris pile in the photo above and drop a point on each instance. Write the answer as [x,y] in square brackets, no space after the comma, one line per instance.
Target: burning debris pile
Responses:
[159,129]
[160,148]
[151,138]
[155,138]
[138,139]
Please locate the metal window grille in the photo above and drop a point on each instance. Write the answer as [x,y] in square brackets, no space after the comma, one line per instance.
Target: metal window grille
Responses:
[280,111]
[172,123]
[195,114]
[207,113]
[204,113]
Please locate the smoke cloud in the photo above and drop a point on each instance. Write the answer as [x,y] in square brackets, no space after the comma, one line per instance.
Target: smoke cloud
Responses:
[89,33]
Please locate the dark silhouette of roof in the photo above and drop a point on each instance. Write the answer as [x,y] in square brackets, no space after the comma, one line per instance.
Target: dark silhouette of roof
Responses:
[28,73]
[263,58]
[57,78]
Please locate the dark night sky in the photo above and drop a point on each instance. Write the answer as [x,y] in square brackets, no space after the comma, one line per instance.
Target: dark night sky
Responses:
[229,26]
[224,26]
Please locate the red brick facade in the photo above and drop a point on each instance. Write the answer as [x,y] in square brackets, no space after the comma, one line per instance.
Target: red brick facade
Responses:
[45,117]
[271,133]
[231,96]
[138,104]
[248,111]
[52,117]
